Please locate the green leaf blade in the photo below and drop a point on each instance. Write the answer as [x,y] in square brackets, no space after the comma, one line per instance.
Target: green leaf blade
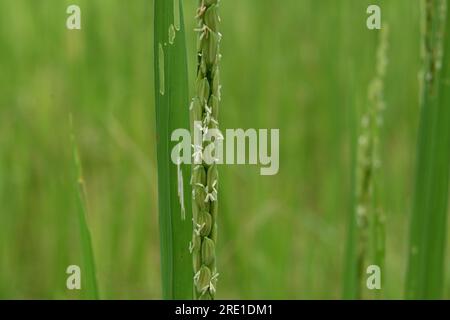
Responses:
[89,278]
[425,275]
[171,95]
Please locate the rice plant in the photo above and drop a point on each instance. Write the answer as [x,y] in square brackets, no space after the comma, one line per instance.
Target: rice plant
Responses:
[89,278]
[425,273]
[204,117]
[171,103]
[302,66]
[367,231]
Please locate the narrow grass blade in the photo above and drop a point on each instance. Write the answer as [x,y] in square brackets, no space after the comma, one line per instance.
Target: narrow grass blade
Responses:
[425,274]
[88,273]
[350,279]
[172,112]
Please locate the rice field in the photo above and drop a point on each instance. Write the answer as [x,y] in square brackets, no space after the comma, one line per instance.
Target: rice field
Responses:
[80,149]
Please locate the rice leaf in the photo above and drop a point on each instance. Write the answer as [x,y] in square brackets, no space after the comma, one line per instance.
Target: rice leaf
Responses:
[172,112]
[89,279]
[425,274]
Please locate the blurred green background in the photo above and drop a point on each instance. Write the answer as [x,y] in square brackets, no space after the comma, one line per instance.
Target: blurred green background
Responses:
[302,66]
